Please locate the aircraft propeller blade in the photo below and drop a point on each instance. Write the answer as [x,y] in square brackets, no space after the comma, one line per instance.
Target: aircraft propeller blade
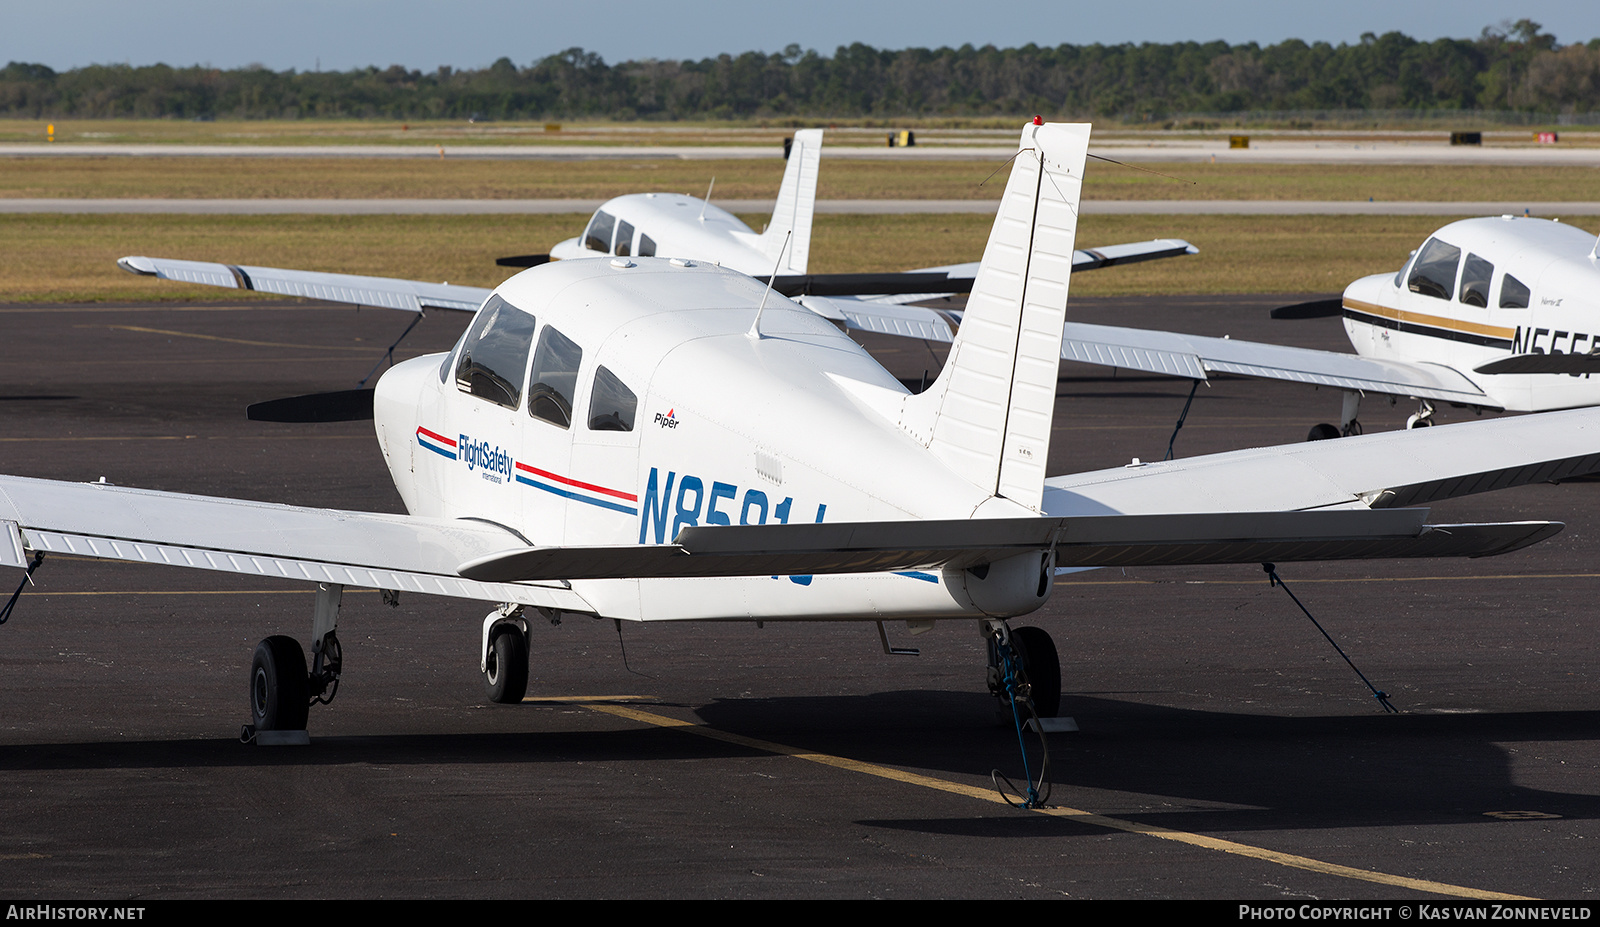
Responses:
[350,405]
[524,260]
[1316,309]
[1571,364]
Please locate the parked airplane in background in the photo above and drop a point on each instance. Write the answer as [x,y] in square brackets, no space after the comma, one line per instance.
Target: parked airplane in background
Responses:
[1511,304]
[665,440]
[676,225]
[1491,314]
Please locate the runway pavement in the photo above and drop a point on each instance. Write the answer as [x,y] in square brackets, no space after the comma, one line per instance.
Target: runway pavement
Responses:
[1226,750]
[439,207]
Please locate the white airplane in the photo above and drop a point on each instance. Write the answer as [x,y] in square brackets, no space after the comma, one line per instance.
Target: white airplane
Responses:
[676,225]
[1510,304]
[652,439]
[1499,314]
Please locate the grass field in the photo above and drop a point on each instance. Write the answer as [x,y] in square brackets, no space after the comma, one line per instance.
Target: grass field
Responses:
[380,178]
[54,258]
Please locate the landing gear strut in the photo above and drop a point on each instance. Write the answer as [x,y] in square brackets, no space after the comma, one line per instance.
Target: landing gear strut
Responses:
[282,691]
[1348,423]
[1038,669]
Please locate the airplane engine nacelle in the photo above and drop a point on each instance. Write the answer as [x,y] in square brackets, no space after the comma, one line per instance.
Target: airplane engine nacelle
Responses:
[1006,588]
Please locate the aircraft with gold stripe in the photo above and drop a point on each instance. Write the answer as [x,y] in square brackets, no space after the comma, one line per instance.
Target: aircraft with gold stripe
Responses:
[1499,313]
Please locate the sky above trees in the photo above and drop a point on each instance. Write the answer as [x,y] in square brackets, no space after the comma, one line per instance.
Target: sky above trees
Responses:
[341,35]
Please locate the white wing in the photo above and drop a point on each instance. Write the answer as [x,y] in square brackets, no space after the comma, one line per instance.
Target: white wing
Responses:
[1189,356]
[379,292]
[364,549]
[1380,470]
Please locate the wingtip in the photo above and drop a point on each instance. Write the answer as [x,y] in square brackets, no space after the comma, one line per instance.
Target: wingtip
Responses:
[142,266]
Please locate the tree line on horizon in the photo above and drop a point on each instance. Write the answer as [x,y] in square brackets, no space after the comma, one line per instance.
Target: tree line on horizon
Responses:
[1517,68]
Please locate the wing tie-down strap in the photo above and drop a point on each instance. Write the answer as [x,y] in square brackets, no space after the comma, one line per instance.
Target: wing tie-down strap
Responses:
[1273,579]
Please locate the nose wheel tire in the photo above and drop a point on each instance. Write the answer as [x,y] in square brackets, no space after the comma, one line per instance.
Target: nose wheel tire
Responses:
[506,670]
[280,694]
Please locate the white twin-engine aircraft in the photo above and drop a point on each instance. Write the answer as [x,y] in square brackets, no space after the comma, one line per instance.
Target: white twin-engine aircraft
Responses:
[655,439]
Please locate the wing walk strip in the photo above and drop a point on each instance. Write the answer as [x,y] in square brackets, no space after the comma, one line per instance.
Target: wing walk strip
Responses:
[1071,814]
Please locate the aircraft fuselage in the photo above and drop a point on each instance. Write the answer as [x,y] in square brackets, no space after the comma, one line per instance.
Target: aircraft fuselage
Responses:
[670,417]
[1482,290]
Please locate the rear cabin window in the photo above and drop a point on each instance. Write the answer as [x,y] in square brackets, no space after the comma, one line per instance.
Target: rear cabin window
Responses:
[1475,277]
[1434,273]
[611,403]
[1513,293]
[647,246]
[494,353]
[598,236]
[624,239]
[554,379]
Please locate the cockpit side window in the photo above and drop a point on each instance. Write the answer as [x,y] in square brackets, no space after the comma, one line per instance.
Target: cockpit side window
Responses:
[624,239]
[554,380]
[611,403]
[647,246]
[1434,273]
[494,353]
[1514,293]
[1475,277]
[598,236]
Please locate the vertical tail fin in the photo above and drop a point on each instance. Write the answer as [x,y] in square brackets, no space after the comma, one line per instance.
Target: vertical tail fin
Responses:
[988,415]
[797,203]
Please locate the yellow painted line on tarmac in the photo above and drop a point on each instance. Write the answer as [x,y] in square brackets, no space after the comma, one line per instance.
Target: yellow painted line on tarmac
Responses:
[1084,817]
[584,700]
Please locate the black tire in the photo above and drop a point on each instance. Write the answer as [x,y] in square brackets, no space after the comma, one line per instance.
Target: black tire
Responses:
[1322,432]
[1042,667]
[506,673]
[280,694]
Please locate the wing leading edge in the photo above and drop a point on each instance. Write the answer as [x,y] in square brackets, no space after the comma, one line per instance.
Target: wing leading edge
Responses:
[363,549]
[378,292]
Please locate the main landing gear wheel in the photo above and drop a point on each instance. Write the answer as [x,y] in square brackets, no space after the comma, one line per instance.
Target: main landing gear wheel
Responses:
[506,670]
[1041,667]
[280,694]
[1322,432]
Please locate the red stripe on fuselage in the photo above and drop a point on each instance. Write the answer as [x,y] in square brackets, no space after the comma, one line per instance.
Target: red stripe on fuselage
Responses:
[581,485]
[440,438]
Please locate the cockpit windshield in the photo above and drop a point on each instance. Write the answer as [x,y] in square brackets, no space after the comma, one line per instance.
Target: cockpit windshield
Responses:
[597,237]
[1434,273]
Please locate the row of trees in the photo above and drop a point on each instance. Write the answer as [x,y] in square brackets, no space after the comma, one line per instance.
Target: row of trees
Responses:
[1518,69]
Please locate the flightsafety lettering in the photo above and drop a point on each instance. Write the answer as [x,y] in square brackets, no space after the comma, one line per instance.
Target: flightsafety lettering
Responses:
[481,455]
[684,501]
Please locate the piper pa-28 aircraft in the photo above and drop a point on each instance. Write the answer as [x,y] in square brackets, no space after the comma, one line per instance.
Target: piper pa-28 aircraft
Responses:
[676,225]
[1510,304]
[1491,314]
[653,439]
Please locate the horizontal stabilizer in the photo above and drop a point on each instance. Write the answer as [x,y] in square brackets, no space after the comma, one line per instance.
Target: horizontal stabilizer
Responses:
[1096,540]
[1543,363]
